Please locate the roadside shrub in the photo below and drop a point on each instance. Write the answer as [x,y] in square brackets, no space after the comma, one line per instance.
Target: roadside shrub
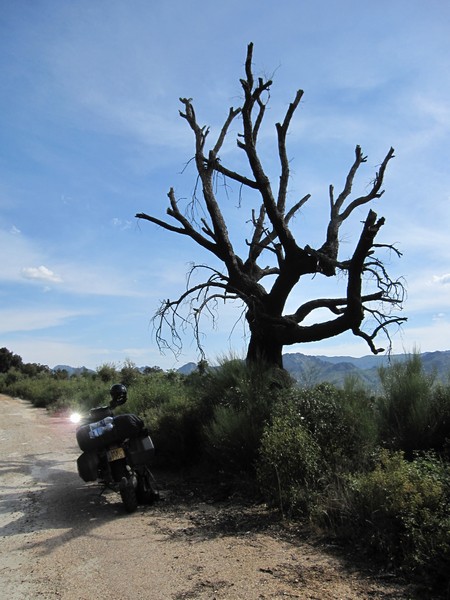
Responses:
[175,427]
[414,412]
[232,439]
[8,379]
[151,391]
[341,422]
[238,399]
[107,373]
[82,393]
[360,423]
[290,469]
[316,437]
[400,510]
[42,390]
[407,419]
[129,373]
[439,439]
[47,390]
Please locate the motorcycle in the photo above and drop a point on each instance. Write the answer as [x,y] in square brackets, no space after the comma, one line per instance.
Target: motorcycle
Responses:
[117,451]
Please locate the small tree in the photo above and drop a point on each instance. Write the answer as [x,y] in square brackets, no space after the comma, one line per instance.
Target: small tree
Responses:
[272,240]
[107,372]
[9,360]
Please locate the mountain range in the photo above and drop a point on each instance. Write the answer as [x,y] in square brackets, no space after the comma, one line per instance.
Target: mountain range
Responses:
[310,370]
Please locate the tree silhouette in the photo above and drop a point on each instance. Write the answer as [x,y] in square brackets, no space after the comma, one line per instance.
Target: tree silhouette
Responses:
[286,260]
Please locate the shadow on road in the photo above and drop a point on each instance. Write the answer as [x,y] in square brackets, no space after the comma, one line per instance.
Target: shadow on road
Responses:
[42,492]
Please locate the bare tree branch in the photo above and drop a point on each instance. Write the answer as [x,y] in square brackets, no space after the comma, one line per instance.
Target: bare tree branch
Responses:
[282,130]
[330,248]
[272,240]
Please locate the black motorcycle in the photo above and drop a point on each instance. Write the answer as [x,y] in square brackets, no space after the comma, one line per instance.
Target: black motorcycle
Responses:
[117,452]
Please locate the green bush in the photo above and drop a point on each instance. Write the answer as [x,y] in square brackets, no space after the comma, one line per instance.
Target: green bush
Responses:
[237,400]
[232,439]
[129,373]
[42,390]
[175,427]
[317,436]
[406,415]
[108,373]
[173,417]
[151,391]
[341,422]
[439,438]
[400,510]
[290,469]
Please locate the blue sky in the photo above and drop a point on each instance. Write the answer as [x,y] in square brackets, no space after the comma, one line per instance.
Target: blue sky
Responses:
[90,135]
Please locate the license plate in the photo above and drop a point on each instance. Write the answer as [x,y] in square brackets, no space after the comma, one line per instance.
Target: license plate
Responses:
[115,454]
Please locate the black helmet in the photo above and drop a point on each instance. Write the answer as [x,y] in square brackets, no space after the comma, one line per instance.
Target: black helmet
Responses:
[118,393]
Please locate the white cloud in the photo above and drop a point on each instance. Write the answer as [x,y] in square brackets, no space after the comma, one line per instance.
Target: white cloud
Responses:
[439,317]
[17,250]
[40,274]
[443,279]
[426,294]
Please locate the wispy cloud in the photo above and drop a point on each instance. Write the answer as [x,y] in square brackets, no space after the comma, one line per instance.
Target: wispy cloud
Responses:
[443,279]
[13,320]
[121,224]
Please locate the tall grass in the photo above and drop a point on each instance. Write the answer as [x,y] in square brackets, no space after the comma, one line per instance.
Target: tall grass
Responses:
[46,390]
[413,411]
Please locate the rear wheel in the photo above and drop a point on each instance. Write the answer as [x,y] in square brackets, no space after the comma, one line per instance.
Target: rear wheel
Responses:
[127,484]
[118,470]
[147,491]
[128,493]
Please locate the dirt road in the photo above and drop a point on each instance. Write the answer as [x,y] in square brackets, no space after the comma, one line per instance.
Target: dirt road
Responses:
[61,539]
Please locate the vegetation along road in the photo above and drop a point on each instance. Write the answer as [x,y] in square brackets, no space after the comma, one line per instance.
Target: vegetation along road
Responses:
[61,539]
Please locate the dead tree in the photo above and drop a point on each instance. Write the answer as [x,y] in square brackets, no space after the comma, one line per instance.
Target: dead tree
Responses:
[264,290]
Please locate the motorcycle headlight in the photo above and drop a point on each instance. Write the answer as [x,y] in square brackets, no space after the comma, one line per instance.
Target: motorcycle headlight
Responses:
[75,417]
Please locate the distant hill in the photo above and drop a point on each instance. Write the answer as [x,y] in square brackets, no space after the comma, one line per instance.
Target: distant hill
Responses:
[72,370]
[309,370]
[187,368]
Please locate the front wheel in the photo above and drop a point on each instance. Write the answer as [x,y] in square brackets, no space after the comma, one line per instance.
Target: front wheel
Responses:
[127,491]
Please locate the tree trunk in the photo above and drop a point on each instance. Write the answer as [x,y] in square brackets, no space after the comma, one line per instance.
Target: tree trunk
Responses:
[264,348]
